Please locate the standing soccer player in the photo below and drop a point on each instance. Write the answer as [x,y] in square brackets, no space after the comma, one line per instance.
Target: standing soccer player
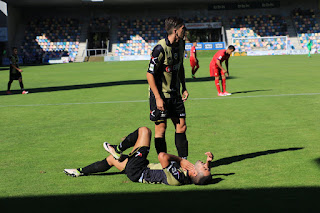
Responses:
[165,74]
[216,69]
[194,63]
[15,72]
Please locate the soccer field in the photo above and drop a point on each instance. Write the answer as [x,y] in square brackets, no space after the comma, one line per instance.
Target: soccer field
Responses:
[265,137]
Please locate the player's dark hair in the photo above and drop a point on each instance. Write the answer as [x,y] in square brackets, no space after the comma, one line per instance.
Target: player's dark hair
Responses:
[231,47]
[173,23]
[13,48]
[200,179]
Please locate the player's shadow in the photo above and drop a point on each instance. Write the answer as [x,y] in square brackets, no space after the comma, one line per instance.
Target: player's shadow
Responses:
[96,85]
[237,158]
[80,86]
[202,79]
[318,161]
[249,91]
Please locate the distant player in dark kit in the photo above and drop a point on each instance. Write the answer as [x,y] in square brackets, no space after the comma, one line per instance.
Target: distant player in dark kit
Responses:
[15,72]
[216,69]
[194,62]
[165,75]
[171,169]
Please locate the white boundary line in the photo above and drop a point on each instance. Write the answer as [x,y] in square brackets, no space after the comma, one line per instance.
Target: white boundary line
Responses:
[139,101]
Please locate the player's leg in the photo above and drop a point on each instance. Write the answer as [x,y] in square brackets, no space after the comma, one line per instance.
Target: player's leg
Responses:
[96,167]
[181,141]
[160,136]
[215,72]
[223,79]
[196,67]
[130,141]
[9,86]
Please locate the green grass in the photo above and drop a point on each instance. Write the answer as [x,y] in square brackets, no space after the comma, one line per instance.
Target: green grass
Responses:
[265,141]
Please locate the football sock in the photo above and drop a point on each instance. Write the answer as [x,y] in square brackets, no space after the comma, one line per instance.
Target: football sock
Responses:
[217,85]
[192,71]
[99,166]
[21,85]
[181,144]
[128,142]
[224,85]
[160,144]
[9,84]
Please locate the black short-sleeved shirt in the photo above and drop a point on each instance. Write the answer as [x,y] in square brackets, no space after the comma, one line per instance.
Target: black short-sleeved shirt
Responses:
[165,65]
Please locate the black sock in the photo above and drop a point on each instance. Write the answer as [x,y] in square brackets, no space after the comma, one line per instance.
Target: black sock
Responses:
[99,166]
[21,85]
[181,144]
[9,84]
[128,142]
[160,144]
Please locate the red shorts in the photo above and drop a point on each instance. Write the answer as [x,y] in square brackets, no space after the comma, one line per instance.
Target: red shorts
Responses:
[193,62]
[215,71]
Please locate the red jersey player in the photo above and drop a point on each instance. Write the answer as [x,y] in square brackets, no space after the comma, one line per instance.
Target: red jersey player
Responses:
[216,68]
[194,63]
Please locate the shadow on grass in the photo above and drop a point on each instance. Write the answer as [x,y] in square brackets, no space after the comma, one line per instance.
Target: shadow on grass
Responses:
[286,199]
[93,85]
[237,158]
[318,162]
[249,91]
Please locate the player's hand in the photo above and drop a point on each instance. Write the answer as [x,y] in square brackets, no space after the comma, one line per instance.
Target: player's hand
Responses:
[186,165]
[160,104]
[209,156]
[227,74]
[185,95]
[20,70]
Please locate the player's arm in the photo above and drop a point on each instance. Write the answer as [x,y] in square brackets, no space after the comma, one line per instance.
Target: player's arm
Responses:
[227,66]
[182,78]
[155,61]
[153,87]
[165,159]
[209,158]
[218,62]
[12,64]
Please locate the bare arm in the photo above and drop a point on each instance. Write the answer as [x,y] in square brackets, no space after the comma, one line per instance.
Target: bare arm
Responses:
[182,78]
[227,66]
[153,87]
[218,62]
[209,158]
[165,159]
[15,67]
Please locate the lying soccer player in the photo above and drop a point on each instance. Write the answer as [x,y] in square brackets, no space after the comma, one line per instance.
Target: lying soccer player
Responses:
[172,170]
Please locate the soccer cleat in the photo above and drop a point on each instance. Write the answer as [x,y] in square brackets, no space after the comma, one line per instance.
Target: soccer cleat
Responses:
[9,93]
[24,92]
[112,150]
[226,93]
[72,172]
[221,94]
[193,76]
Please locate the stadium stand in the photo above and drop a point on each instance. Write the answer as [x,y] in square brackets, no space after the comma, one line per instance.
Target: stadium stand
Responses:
[100,24]
[138,37]
[50,38]
[253,26]
[307,27]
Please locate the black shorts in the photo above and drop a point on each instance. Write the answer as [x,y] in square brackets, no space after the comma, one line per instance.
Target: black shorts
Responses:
[137,163]
[15,76]
[174,108]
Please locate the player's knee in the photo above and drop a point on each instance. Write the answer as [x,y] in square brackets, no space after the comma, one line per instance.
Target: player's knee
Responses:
[144,130]
[182,128]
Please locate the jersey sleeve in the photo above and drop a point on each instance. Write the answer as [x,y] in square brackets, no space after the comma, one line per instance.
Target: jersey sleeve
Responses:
[157,57]
[176,171]
[219,56]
